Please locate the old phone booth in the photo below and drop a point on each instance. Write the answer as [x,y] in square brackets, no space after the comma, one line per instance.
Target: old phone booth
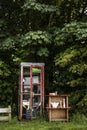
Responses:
[31,90]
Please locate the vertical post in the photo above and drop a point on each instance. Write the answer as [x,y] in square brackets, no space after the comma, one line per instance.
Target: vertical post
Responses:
[67,106]
[9,110]
[31,91]
[43,88]
[50,109]
[21,92]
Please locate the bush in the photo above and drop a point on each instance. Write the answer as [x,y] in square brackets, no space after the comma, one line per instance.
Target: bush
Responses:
[79,118]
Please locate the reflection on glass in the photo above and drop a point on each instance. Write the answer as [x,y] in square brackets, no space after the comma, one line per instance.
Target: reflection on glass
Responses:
[26,80]
[35,79]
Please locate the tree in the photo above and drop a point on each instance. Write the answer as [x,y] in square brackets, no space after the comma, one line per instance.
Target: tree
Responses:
[71,62]
[53,32]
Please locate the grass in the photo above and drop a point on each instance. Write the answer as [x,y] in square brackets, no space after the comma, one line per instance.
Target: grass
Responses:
[42,124]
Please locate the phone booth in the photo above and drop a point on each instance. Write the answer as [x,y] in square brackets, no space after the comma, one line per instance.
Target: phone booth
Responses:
[31,90]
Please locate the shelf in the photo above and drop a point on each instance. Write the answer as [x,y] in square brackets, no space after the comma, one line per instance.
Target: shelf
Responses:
[26,84]
[26,74]
[32,84]
[58,95]
[28,93]
[37,94]
[50,108]
[35,73]
[58,112]
[35,83]
[25,93]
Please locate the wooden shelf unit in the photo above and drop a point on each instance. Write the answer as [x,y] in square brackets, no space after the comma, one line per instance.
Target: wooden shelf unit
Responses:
[59,112]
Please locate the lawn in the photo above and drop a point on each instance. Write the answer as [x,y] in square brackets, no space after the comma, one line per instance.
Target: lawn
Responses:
[42,124]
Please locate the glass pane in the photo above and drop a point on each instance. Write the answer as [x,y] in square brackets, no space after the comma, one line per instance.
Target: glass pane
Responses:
[35,79]
[26,97]
[36,101]
[36,70]
[36,89]
[26,80]
[36,106]
[26,88]
[26,106]
[26,71]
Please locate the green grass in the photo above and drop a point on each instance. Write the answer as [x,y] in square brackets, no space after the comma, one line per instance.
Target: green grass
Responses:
[42,124]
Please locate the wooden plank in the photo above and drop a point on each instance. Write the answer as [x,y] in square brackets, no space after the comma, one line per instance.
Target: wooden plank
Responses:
[58,95]
[4,110]
[4,118]
[9,114]
[50,110]
[58,108]
[5,114]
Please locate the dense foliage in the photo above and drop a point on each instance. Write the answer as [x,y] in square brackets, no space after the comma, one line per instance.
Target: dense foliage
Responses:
[54,32]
